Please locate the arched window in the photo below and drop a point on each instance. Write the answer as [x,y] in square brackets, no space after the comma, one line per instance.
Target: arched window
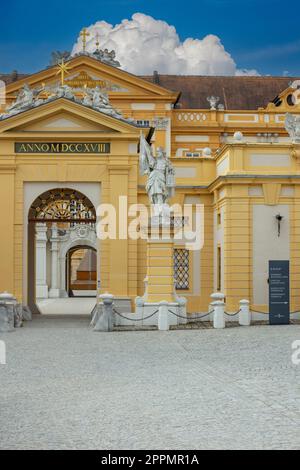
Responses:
[62,205]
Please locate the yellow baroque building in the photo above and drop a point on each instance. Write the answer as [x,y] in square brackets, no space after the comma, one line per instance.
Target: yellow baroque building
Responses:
[226,139]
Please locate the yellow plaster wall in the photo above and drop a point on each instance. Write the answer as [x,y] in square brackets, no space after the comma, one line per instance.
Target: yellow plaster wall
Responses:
[9,268]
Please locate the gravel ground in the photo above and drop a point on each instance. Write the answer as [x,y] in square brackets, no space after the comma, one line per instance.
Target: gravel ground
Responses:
[66,387]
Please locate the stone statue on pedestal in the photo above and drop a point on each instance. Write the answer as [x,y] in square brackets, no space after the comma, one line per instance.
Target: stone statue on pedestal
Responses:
[161,180]
[154,307]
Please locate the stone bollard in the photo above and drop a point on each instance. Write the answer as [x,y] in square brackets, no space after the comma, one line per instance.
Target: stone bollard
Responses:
[215,296]
[7,298]
[219,316]
[139,306]
[7,312]
[163,316]
[6,318]
[244,314]
[105,320]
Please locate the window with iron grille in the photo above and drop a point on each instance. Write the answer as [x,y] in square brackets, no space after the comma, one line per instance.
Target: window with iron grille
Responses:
[181,268]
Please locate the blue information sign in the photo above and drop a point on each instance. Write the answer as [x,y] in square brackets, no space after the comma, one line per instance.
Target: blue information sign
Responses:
[279,292]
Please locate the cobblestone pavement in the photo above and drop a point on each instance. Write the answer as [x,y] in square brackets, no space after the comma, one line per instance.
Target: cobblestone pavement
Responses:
[66,387]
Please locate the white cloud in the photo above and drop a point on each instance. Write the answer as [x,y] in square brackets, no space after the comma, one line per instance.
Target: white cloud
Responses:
[144,44]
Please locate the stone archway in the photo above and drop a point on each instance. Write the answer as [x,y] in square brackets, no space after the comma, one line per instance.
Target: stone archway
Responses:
[58,219]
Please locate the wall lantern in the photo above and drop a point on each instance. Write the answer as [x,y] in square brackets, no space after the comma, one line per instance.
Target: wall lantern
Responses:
[279,218]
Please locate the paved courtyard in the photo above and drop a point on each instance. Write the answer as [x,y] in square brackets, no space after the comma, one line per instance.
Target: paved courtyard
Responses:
[65,387]
[68,306]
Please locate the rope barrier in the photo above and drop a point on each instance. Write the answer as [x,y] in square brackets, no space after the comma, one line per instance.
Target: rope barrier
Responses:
[134,319]
[258,311]
[232,314]
[194,318]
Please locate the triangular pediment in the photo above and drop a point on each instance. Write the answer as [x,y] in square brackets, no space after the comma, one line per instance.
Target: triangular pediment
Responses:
[65,116]
[83,70]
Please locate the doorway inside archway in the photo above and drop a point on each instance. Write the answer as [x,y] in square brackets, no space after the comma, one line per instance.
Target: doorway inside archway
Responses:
[62,253]
[81,278]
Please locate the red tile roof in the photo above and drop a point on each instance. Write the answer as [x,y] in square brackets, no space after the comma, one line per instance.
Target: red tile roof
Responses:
[242,92]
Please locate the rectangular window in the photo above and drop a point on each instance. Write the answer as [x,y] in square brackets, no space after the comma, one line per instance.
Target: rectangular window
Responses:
[181,268]
[143,123]
[192,154]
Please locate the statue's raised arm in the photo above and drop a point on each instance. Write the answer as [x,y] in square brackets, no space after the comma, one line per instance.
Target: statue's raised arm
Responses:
[147,161]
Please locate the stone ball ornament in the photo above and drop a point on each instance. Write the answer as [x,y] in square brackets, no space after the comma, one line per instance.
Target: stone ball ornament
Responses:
[207,152]
[238,136]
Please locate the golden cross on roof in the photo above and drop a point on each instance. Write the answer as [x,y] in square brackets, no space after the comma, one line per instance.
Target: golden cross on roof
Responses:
[62,69]
[84,34]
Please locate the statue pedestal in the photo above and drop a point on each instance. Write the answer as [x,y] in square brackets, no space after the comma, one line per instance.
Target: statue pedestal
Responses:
[160,270]
[160,274]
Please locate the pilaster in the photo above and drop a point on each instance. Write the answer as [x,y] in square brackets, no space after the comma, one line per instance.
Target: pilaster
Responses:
[41,261]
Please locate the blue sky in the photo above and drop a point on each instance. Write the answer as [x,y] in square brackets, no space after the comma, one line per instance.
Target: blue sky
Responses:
[263,35]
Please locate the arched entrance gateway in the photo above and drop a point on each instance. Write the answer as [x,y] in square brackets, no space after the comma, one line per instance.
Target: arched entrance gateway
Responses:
[62,250]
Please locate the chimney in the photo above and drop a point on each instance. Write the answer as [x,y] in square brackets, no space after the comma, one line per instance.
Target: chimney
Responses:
[14,75]
[155,77]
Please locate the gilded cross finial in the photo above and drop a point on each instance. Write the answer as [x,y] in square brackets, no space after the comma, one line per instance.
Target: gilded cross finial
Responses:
[84,34]
[62,70]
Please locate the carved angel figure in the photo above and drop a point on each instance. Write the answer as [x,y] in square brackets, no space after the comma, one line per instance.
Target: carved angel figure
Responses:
[24,100]
[292,125]
[99,99]
[161,182]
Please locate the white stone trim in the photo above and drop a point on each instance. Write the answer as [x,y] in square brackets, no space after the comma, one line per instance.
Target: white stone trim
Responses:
[270,159]
[143,106]
[243,117]
[185,172]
